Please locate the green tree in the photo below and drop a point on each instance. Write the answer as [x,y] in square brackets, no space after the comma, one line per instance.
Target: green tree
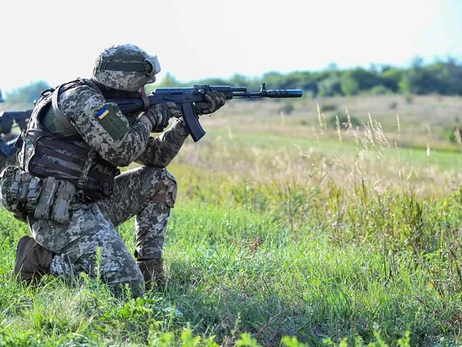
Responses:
[239,80]
[448,76]
[168,81]
[330,86]
[391,77]
[366,79]
[420,79]
[349,85]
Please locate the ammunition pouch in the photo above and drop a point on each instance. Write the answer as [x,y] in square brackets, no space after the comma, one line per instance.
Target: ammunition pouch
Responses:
[18,190]
[54,200]
[23,194]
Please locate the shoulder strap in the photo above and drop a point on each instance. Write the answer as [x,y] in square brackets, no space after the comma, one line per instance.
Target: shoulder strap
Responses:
[92,84]
[59,115]
[64,120]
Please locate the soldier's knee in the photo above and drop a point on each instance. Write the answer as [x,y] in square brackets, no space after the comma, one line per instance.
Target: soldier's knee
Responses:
[128,279]
[133,289]
[172,189]
[168,190]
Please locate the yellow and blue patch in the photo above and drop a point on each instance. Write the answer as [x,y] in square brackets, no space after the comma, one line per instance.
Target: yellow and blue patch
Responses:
[112,121]
[102,113]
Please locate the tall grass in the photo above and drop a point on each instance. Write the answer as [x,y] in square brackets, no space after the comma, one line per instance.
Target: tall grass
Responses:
[282,235]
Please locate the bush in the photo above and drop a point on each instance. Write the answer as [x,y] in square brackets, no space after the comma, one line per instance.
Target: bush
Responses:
[380,90]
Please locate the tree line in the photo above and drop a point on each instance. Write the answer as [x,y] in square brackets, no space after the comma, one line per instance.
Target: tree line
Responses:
[441,77]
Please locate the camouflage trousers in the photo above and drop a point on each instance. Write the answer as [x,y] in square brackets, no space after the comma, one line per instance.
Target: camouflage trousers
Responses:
[90,243]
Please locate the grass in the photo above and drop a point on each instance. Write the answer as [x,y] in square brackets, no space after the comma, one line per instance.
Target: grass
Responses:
[284,234]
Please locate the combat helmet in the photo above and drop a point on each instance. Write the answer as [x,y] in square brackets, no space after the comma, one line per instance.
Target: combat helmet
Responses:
[125,67]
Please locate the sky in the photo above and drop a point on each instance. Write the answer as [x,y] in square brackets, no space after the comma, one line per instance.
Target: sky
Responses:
[56,41]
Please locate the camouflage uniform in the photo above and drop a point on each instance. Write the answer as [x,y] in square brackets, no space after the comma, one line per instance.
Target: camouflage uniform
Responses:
[92,228]
[80,118]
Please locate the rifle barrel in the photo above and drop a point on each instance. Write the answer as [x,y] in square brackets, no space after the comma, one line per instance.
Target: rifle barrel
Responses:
[276,93]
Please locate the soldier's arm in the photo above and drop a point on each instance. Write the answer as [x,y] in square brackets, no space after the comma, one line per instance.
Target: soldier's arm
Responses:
[161,150]
[103,126]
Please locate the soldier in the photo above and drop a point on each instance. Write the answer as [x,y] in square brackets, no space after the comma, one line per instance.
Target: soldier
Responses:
[69,188]
[7,145]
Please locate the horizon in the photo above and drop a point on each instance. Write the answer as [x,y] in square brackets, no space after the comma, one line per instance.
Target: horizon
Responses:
[331,66]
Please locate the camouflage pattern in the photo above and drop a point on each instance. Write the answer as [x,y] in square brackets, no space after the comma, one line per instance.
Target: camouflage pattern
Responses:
[19,191]
[90,242]
[125,80]
[92,231]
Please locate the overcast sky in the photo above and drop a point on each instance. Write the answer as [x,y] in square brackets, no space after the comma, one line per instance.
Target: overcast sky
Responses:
[56,41]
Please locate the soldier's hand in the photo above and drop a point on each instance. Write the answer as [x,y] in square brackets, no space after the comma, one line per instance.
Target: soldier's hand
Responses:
[173,110]
[213,101]
[159,115]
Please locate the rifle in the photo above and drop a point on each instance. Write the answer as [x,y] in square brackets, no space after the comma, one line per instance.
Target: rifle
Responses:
[8,117]
[185,97]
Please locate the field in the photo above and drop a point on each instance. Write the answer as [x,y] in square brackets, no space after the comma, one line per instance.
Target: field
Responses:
[290,229]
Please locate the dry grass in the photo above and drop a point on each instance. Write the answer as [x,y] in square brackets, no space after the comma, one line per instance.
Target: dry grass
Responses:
[256,139]
[415,120]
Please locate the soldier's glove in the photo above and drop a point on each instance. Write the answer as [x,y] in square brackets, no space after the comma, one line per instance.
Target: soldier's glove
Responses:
[160,114]
[213,101]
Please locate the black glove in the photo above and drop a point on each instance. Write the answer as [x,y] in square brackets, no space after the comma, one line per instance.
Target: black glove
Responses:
[160,114]
[213,101]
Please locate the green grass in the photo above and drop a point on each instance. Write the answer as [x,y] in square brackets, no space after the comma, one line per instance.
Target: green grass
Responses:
[330,238]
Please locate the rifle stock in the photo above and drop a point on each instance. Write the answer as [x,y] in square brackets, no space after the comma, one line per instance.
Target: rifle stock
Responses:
[185,97]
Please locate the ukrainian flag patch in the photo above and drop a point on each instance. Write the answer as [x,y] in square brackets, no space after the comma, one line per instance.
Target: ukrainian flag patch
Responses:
[112,120]
[102,113]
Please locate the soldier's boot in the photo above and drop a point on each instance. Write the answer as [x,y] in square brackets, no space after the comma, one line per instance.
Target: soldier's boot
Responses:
[32,260]
[153,273]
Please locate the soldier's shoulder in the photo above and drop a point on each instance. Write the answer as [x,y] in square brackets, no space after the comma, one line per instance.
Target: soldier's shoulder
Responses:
[80,94]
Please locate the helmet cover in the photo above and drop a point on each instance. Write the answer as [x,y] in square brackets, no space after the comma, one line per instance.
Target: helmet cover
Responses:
[125,67]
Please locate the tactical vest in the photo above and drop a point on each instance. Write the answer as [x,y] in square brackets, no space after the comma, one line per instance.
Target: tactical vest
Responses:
[43,154]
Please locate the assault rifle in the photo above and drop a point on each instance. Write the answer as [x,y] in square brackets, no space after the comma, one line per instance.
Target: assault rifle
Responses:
[8,117]
[185,97]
